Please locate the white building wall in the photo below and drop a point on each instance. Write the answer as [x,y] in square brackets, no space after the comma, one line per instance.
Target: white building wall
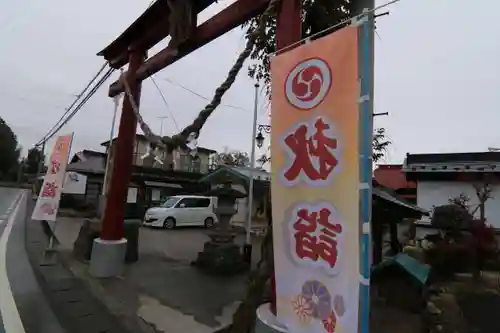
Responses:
[437,193]
[141,148]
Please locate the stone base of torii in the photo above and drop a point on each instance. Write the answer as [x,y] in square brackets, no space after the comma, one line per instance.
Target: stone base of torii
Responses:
[266,321]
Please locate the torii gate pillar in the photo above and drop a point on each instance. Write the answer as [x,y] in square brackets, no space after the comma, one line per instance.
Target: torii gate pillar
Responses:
[109,250]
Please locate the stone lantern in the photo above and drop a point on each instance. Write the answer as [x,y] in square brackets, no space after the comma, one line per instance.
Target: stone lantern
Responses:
[220,254]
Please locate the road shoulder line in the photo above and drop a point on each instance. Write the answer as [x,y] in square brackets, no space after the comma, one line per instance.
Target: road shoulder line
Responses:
[10,315]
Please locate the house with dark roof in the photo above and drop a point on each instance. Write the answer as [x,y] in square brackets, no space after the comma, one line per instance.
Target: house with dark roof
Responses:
[439,177]
[153,177]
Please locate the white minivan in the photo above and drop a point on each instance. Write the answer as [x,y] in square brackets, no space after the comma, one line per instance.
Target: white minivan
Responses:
[182,210]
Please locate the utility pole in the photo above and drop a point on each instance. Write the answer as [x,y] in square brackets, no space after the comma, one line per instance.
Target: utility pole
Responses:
[161,123]
[41,163]
[116,101]
[20,172]
[247,248]
[107,171]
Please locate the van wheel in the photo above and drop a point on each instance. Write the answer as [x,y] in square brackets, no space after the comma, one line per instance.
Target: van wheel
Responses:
[169,223]
[209,222]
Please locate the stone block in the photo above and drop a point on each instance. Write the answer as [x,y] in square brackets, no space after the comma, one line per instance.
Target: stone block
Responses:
[131,231]
[221,258]
[82,247]
[91,229]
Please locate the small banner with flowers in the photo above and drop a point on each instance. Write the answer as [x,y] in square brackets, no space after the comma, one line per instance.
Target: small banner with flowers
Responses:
[47,204]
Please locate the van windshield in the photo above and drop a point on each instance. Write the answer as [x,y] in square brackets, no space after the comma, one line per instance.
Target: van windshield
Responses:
[170,202]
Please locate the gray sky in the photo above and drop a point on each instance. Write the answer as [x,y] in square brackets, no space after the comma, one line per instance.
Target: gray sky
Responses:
[436,74]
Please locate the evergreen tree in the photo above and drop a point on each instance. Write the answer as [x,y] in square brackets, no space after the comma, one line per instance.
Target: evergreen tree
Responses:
[9,151]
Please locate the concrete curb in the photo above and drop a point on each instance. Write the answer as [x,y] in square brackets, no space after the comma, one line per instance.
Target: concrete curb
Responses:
[75,307]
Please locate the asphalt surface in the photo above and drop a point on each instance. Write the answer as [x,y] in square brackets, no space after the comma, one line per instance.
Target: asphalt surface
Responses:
[23,305]
[7,197]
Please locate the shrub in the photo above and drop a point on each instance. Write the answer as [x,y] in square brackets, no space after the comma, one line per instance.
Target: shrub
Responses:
[484,237]
[451,217]
[482,244]
[469,251]
[447,258]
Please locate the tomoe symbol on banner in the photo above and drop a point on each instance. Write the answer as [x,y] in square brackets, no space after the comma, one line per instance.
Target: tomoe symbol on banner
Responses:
[308,83]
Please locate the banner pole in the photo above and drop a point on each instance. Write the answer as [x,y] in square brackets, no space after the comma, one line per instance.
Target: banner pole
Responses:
[366,70]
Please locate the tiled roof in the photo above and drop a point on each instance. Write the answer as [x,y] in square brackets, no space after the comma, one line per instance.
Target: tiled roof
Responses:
[243,173]
[381,193]
[392,176]
[475,157]
[258,174]
[88,161]
[479,162]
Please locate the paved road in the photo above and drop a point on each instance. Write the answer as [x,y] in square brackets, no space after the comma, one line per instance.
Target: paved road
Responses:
[23,306]
[9,208]
[7,198]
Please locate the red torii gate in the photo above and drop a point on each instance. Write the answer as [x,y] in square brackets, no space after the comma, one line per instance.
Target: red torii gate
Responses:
[131,47]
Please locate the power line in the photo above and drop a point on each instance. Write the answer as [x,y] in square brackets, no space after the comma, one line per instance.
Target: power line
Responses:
[69,113]
[78,107]
[166,103]
[68,109]
[201,96]
[86,99]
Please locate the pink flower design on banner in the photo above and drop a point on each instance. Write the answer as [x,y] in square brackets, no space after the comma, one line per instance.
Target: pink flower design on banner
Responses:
[302,308]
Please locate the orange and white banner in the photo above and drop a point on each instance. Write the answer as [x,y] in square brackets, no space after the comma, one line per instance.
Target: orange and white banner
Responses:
[315,185]
[47,204]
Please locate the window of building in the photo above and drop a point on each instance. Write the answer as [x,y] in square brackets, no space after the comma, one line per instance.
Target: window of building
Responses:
[183,162]
[195,165]
[189,163]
